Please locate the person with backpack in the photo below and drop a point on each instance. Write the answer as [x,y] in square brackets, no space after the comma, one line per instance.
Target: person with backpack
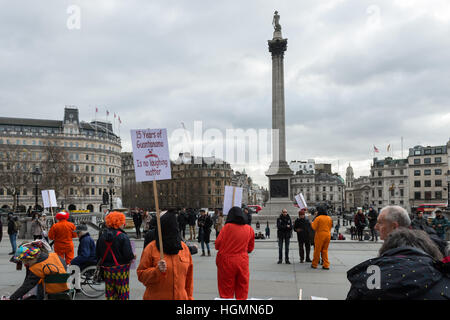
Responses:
[114,252]
[13,229]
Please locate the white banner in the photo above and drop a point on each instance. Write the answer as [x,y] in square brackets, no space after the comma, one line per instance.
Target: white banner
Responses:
[151,154]
[301,201]
[49,198]
[232,198]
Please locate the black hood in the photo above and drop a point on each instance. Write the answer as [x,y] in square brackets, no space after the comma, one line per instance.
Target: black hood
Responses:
[236,216]
[171,237]
[406,273]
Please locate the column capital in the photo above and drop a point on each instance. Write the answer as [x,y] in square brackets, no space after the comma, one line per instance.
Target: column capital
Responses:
[277,46]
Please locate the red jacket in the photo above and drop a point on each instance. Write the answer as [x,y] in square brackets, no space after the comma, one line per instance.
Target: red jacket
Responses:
[240,239]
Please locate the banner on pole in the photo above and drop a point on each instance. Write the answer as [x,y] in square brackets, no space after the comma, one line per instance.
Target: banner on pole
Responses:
[301,201]
[49,198]
[232,198]
[151,154]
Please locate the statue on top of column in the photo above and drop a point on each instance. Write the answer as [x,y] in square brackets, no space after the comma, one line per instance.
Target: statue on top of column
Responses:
[276,21]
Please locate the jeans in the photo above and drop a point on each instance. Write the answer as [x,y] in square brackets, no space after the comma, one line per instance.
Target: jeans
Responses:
[12,239]
[374,234]
[286,241]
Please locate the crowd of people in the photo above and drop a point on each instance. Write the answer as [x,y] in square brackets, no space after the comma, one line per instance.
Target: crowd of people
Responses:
[410,248]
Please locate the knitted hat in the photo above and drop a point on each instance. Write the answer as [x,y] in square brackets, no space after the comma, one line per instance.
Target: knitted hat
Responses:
[24,253]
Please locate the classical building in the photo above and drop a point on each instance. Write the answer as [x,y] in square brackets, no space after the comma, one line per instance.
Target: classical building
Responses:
[389,183]
[242,180]
[196,183]
[357,191]
[307,166]
[76,159]
[319,188]
[428,174]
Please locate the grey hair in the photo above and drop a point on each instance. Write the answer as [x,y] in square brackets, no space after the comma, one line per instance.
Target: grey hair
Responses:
[404,237]
[397,214]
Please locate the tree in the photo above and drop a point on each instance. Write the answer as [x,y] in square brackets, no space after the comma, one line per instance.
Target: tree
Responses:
[15,172]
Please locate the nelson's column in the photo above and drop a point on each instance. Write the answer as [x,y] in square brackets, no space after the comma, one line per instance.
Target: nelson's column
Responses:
[279,173]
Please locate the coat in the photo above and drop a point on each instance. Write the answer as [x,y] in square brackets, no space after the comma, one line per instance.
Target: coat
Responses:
[360,221]
[372,216]
[86,250]
[178,281]
[121,247]
[406,273]
[303,229]
[204,227]
[284,226]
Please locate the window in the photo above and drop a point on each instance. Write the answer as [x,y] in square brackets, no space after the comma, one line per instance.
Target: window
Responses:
[438,160]
[438,195]
[427,183]
[427,160]
[417,195]
[427,172]
[380,173]
[402,192]
[427,195]
[417,173]
[438,183]
[437,172]
[392,172]
[417,184]
[380,193]
[417,152]
[427,151]
[401,171]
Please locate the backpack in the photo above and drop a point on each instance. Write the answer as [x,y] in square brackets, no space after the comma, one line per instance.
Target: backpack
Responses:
[17,225]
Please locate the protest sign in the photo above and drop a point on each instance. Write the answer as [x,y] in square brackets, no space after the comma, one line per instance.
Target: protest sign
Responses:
[301,201]
[232,198]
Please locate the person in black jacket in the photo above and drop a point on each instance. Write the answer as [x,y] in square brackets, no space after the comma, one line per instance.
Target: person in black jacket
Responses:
[114,251]
[247,214]
[360,223]
[284,232]
[372,216]
[204,230]
[137,220]
[182,221]
[303,228]
[408,267]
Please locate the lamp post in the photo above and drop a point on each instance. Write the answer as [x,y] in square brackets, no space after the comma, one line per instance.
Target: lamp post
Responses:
[37,177]
[111,185]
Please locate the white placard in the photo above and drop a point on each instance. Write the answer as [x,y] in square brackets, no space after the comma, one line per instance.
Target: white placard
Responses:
[49,198]
[228,201]
[151,154]
[301,201]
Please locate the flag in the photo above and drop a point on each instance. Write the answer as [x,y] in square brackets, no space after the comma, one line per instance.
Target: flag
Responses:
[114,115]
[375,149]
[96,110]
[120,120]
[388,147]
[107,112]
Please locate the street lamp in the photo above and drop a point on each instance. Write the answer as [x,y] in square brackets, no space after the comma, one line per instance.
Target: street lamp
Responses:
[111,185]
[37,177]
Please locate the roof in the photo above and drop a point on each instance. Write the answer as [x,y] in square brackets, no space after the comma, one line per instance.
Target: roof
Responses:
[30,122]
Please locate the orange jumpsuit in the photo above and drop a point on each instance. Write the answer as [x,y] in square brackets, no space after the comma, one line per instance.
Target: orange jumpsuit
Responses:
[178,281]
[62,233]
[233,244]
[322,226]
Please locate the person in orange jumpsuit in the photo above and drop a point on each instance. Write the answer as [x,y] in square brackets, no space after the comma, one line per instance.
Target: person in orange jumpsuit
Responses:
[171,278]
[322,225]
[62,233]
[235,241]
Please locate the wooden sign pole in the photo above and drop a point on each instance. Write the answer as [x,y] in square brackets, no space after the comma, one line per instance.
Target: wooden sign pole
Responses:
[51,209]
[232,202]
[158,221]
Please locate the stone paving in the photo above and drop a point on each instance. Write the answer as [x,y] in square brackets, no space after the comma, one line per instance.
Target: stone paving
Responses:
[268,280]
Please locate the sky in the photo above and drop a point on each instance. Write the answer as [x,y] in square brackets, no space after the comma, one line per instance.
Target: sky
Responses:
[358,74]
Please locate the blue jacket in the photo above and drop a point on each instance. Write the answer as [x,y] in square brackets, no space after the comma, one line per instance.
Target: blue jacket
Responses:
[86,249]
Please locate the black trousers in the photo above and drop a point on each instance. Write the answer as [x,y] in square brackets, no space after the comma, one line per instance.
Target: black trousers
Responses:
[286,241]
[304,245]
[360,233]
[373,233]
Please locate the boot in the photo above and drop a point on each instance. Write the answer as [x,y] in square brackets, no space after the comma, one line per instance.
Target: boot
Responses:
[203,253]
[209,253]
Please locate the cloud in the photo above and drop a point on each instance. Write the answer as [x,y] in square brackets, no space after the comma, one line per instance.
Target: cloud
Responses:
[357,73]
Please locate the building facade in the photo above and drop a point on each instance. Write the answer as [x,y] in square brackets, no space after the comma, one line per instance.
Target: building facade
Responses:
[196,183]
[428,174]
[77,159]
[357,191]
[319,188]
[389,180]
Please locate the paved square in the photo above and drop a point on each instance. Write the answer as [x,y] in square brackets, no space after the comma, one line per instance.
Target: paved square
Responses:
[267,278]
